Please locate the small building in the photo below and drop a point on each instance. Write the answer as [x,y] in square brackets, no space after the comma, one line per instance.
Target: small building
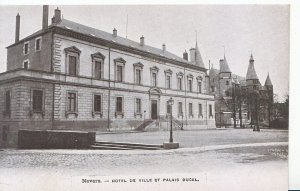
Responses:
[73,77]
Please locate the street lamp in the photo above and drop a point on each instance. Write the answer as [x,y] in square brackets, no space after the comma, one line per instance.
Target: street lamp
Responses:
[171,102]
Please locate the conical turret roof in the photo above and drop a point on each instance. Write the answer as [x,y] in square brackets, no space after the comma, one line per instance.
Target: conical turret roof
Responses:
[224,68]
[268,81]
[198,58]
[251,73]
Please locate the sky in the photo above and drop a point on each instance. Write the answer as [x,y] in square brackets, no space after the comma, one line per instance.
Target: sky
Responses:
[237,29]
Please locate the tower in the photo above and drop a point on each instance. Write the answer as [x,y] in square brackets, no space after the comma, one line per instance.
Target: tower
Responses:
[252,80]
[225,78]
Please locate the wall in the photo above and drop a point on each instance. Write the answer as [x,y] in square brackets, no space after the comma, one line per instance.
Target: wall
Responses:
[38,60]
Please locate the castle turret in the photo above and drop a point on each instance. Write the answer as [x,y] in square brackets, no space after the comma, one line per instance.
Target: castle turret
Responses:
[251,77]
[268,82]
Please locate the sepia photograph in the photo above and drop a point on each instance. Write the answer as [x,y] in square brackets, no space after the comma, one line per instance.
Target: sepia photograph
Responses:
[144,97]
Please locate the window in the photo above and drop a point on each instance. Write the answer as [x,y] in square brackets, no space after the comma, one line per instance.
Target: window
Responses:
[38,44]
[97,103]
[72,65]
[190,85]
[199,87]
[138,108]
[168,81]
[98,70]
[227,83]
[37,100]
[72,60]
[200,110]
[138,68]
[154,79]
[119,73]
[168,108]
[138,76]
[119,106]
[26,64]
[26,47]
[191,109]
[72,102]
[119,69]
[180,108]
[212,88]
[210,111]
[179,85]
[98,65]
[7,101]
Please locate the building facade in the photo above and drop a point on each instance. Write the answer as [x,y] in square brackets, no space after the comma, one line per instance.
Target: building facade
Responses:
[70,76]
[232,95]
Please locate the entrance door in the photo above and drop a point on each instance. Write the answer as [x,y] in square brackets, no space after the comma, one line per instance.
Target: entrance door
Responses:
[154,109]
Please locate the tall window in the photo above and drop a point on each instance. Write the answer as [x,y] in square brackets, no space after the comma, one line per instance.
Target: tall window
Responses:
[190,109]
[119,73]
[199,87]
[97,103]
[180,108]
[7,101]
[154,79]
[138,76]
[200,110]
[72,65]
[72,105]
[179,85]
[37,100]
[227,83]
[37,44]
[212,88]
[98,70]
[26,64]
[138,108]
[26,48]
[168,81]
[119,106]
[210,111]
[190,85]
[168,108]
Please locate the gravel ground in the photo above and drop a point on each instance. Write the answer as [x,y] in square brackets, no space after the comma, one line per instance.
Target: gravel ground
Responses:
[224,159]
[201,137]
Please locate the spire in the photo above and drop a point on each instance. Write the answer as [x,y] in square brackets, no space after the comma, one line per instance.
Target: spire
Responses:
[224,67]
[268,81]
[251,73]
[198,58]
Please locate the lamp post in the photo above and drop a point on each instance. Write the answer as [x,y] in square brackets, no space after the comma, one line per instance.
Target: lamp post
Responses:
[144,116]
[171,102]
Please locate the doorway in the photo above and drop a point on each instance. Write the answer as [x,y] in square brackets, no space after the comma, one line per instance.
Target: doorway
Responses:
[153,109]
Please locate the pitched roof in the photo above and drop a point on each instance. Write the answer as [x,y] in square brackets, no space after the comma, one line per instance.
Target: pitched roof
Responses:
[67,24]
[268,81]
[251,73]
[224,66]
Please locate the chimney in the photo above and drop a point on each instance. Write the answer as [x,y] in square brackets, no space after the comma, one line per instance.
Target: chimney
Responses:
[57,16]
[142,41]
[45,16]
[192,54]
[17,36]
[164,47]
[186,56]
[115,32]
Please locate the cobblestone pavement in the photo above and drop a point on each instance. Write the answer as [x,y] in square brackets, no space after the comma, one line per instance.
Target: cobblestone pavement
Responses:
[239,165]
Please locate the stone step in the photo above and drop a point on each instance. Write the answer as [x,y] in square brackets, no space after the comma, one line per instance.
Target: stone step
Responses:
[126,144]
[103,145]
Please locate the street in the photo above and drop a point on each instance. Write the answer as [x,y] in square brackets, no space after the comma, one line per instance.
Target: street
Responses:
[231,158]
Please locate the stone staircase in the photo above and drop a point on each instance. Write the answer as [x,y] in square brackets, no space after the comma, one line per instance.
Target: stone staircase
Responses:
[104,145]
[144,125]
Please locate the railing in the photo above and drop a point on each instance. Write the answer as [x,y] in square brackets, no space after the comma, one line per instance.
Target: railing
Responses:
[166,118]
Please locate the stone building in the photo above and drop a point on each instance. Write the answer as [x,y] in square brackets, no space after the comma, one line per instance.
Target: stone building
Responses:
[222,82]
[71,76]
